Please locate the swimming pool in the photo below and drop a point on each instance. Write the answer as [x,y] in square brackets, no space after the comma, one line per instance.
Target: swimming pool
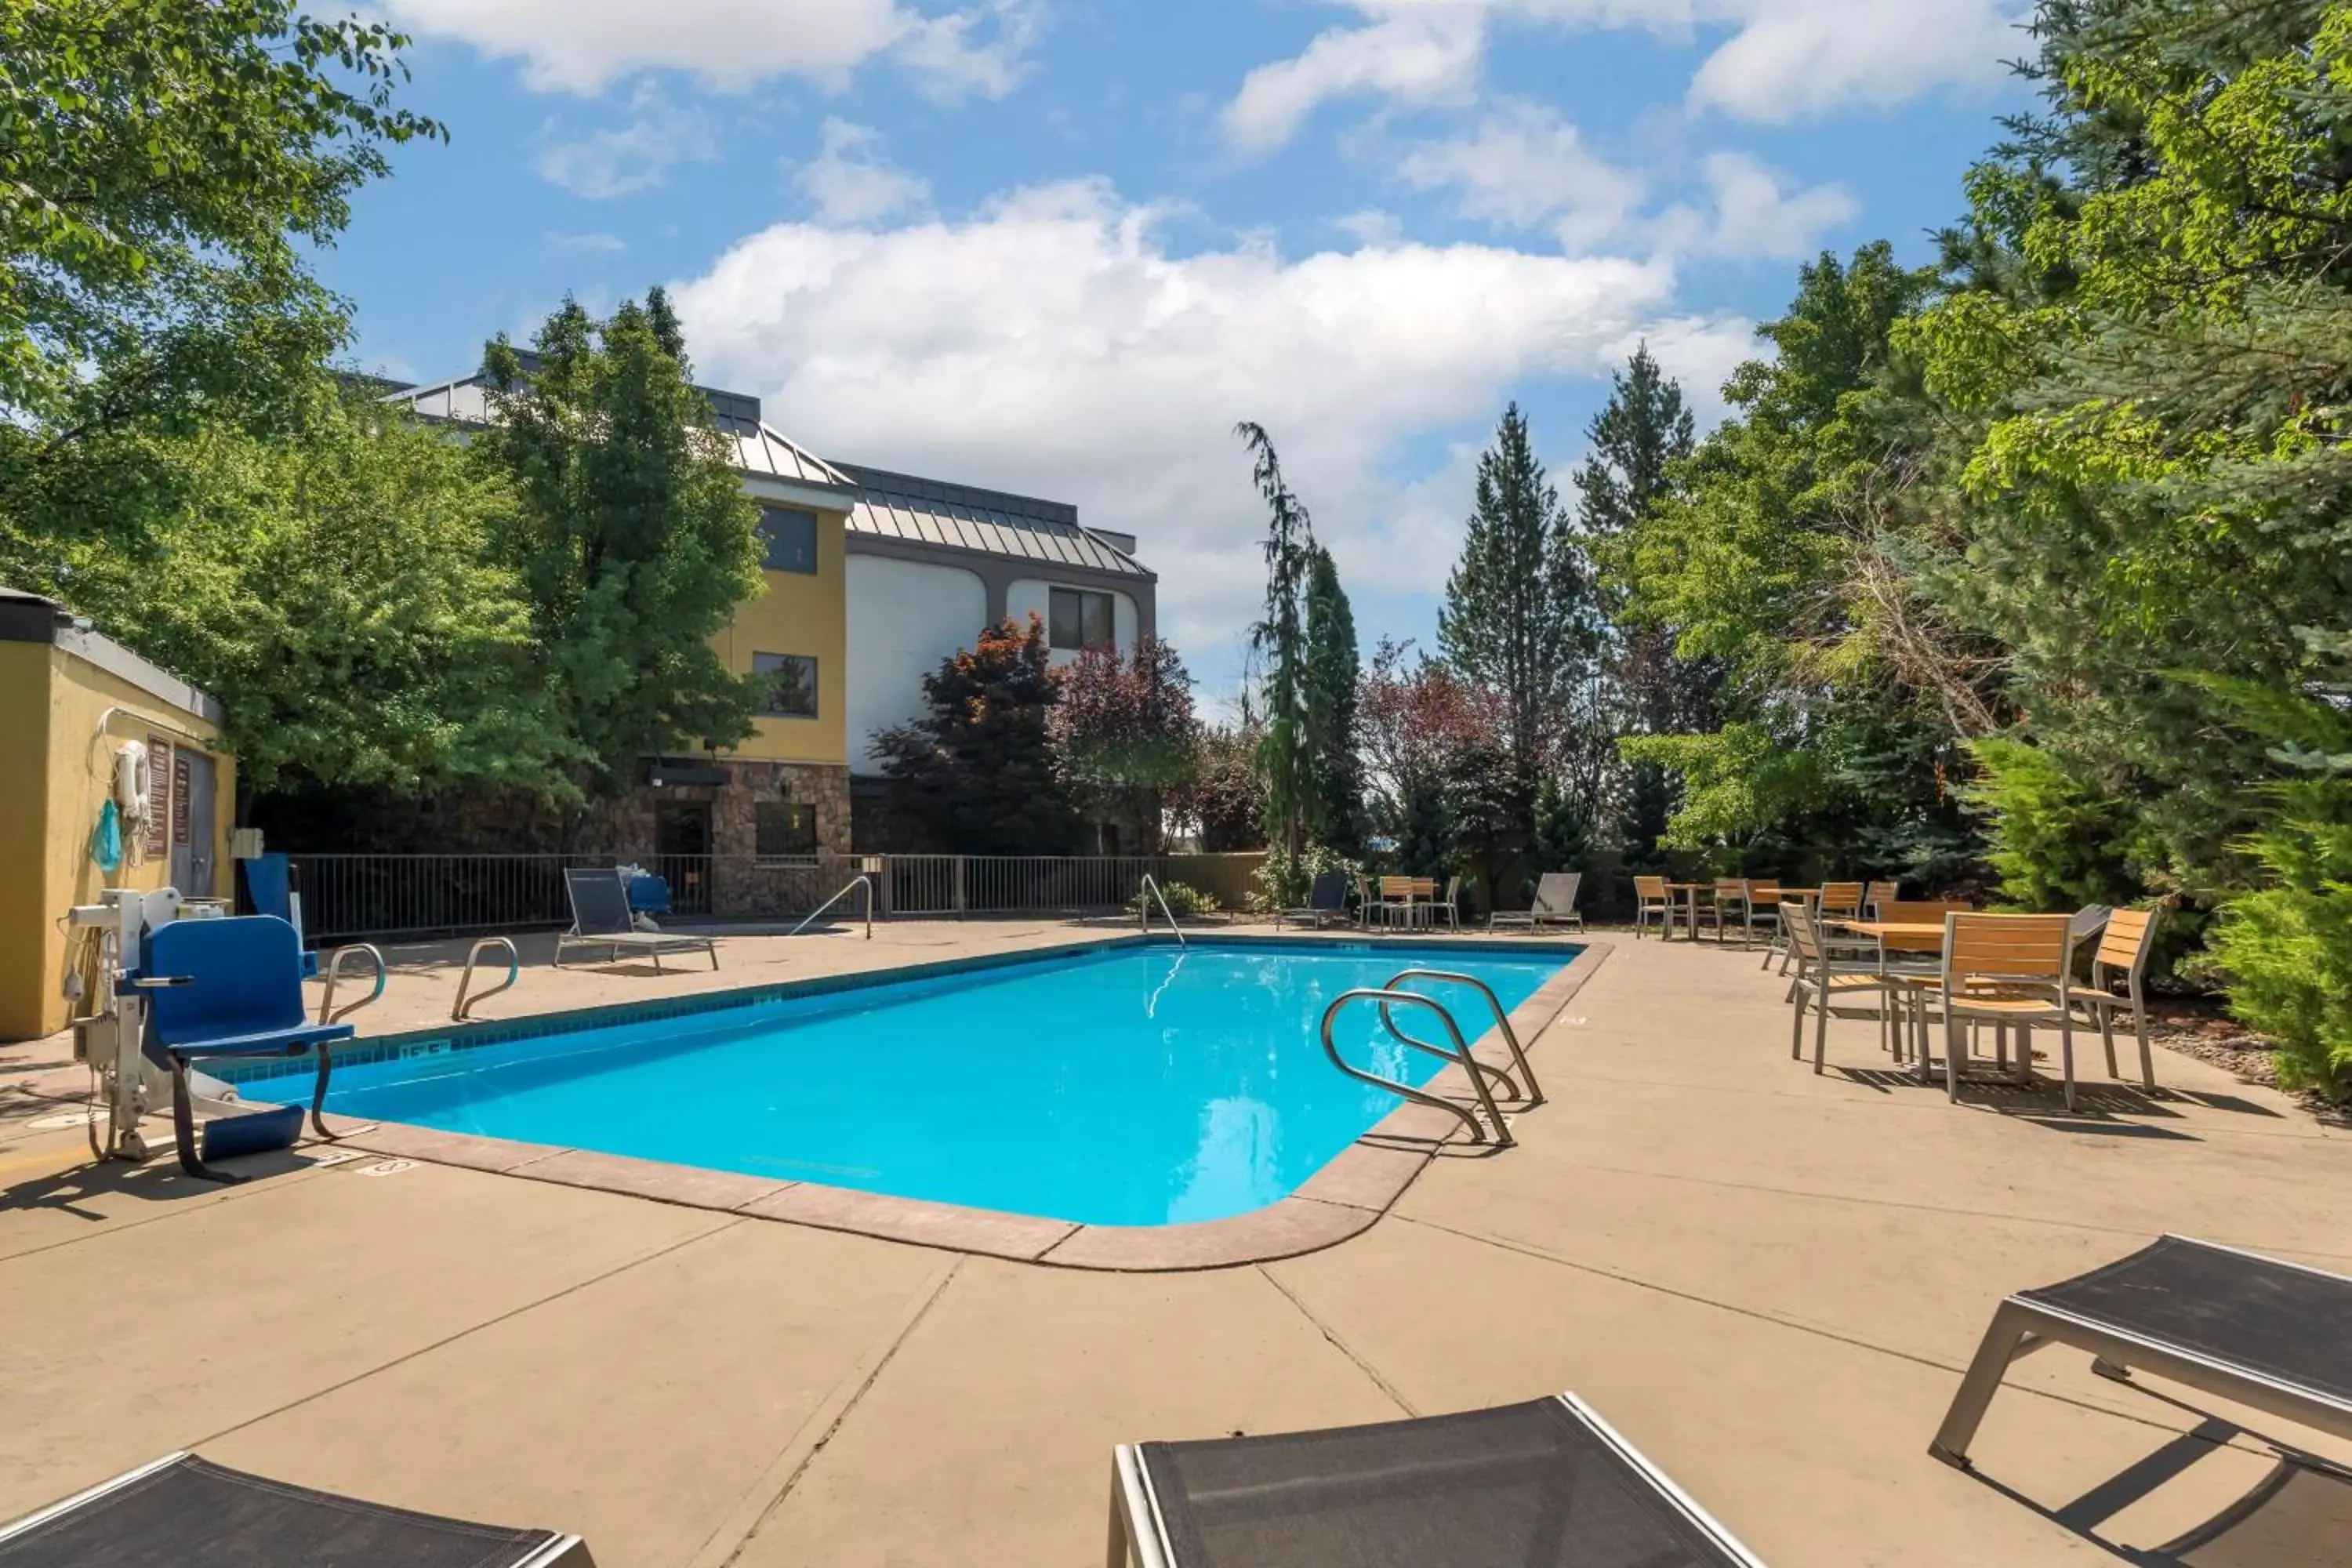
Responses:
[1131,1085]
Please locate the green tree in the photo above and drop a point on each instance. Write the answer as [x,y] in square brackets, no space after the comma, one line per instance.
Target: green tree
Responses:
[631,530]
[1519,615]
[342,591]
[978,774]
[163,167]
[1280,640]
[1334,667]
[1226,799]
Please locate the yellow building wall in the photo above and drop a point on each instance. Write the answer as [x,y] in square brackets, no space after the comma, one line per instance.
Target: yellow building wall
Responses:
[62,781]
[802,613]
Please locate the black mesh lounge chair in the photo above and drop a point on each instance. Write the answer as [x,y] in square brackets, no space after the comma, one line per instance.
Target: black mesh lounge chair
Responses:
[1327,900]
[1543,1485]
[600,917]
[182,1510]
[2275,1336]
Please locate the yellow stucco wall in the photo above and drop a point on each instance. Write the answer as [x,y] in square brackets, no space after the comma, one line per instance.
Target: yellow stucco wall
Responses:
[802,613]
[51,792]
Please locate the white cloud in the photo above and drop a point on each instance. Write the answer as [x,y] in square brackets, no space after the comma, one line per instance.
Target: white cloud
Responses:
[1372,227]
[1523,167]
[1785,59]
[1417,56]
[1053,345]
[1751,216]
[608,243]
[635,156]
[851,183]
[1793,60]
[581,46]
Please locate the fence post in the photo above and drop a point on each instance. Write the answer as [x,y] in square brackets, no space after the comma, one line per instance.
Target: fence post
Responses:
[960,896]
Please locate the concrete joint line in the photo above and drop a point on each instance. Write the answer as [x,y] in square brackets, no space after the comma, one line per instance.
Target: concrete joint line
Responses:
[727,1540]
[515,1311]
[1396,1395]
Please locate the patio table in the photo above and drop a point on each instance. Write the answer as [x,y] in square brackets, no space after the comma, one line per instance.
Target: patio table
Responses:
[1690,892]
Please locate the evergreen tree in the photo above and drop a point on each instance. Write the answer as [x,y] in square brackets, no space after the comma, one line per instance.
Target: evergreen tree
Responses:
[1280,640]
[632,533]
[1519,616]
[1335,808]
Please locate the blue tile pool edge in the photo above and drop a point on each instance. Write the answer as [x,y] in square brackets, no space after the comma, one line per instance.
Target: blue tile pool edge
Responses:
[1297,1224]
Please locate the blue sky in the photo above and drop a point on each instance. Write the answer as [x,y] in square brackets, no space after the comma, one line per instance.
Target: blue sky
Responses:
[1060,247]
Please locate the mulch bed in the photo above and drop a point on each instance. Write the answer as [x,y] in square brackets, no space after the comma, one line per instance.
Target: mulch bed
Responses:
[2222,1041]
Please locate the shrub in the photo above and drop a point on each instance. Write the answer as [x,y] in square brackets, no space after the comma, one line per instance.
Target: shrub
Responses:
[1184,901]
[2056,840]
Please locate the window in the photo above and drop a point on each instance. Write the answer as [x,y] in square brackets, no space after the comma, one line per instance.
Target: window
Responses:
[791,683]
[1078,620]
[788,539]
[783,829]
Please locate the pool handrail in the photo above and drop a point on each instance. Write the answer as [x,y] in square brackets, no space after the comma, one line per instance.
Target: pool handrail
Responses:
[860,880]
[1143,915]
[514,973]
[1460,1054]
[1527,1075]
[328,1012]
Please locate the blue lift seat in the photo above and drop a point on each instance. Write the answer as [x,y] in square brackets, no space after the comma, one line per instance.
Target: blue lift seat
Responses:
[230,988]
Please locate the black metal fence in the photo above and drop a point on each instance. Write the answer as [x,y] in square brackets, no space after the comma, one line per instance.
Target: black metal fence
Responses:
[358,897]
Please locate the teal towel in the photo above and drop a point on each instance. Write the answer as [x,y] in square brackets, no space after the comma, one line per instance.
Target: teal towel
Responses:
[105,843]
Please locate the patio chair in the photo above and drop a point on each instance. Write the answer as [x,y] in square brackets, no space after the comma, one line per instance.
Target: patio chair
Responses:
[1326,899]
[1397,901]
[182,1510]
[2007,970]
[1653,897]
[1369,907]
[2276,1336]
[2126,941]
[600,917]
[1448,904]
[1730,898]
[1547,1484]
[229,988]
[1825,975]
[1555,903]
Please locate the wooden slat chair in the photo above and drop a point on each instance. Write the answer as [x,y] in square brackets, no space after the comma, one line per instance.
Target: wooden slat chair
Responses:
[1730,898]
[1834,900]
[2125,947]
[2007,970]
[1653,897]
[1824,974]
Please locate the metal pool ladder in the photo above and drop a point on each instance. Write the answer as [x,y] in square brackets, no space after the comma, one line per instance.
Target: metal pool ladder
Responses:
[847,889]
[328,1012]
[1483,1078]
[514,970]
[1151,886]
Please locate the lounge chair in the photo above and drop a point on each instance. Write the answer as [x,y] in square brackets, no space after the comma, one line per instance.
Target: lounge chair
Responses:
[600,917]
[2276,1336]
[1548,1482]
[1327,900]
[182,1510]
[1555,903]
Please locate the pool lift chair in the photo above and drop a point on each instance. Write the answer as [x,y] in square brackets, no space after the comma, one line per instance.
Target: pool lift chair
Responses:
[198,990]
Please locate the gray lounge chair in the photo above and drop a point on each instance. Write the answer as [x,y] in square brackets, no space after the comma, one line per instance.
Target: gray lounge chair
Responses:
[1555,903]
[180,1510]
[601,917]
[1547,1484]
[2276,1336]
[1326,902]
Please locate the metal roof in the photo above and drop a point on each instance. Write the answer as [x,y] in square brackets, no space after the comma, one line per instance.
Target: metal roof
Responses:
[757,448]
[960,517]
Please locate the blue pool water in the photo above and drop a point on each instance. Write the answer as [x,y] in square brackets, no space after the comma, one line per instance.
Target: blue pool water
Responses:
[1137,1086]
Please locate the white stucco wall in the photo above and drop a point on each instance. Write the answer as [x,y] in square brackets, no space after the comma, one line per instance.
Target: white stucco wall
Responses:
[1033,595]
[905,616]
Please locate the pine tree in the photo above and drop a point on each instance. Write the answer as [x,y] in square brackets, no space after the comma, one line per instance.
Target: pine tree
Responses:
[1280,640]
[1335,806]
[1519,616]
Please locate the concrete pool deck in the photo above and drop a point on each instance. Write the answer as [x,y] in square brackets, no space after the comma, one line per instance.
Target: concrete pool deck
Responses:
[1768,1279]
